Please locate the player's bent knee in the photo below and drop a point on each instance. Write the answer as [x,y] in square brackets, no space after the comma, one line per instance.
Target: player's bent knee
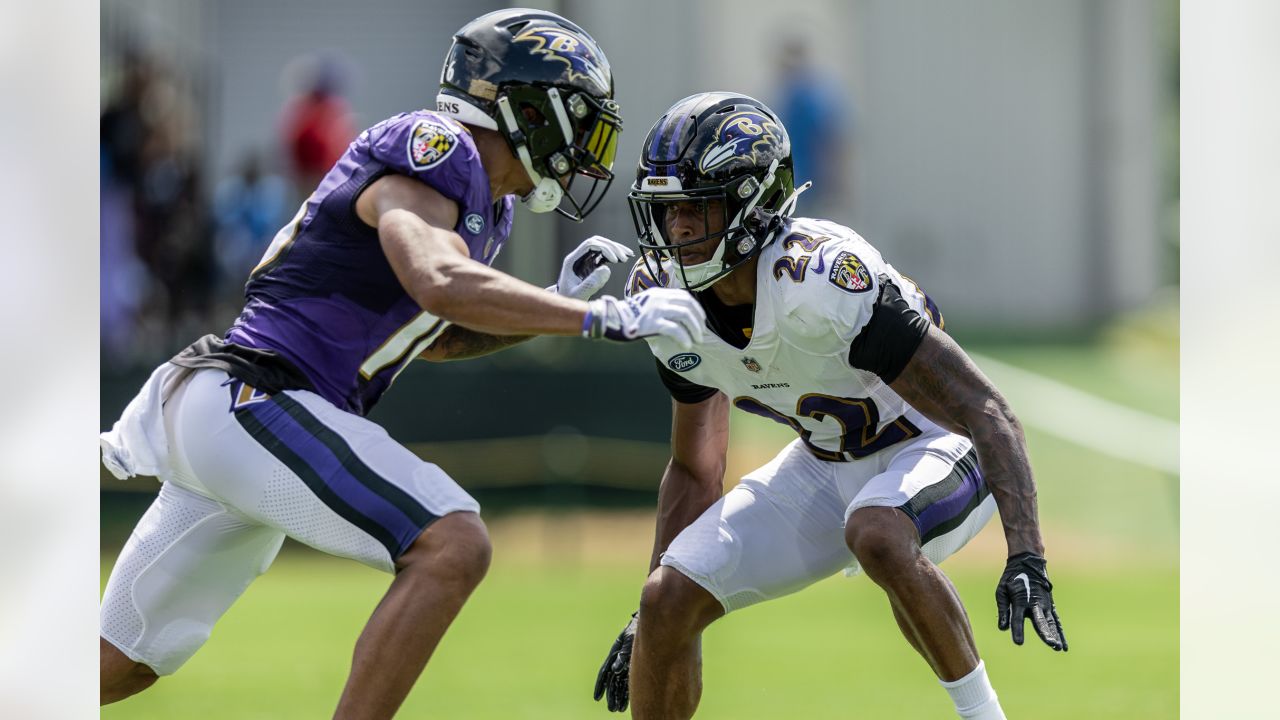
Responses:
[673,602]
[883,539]
[456,547]
[119,680]
[139,678]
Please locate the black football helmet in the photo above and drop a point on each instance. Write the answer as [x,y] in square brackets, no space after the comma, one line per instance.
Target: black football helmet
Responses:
[545,85]
[713,148]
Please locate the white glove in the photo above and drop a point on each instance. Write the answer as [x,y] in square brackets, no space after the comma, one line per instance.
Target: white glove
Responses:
[585,270]
[668,312]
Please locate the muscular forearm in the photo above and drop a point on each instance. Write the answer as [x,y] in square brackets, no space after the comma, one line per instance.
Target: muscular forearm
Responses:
[434,269]
[1002,455]
[681,499]
[477,297]
[941,382]
[459,343]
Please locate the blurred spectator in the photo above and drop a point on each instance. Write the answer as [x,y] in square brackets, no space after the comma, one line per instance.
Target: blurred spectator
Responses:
[123,279]
[317,124]
[248,209]
[123,127]
[819,116]
[156,261]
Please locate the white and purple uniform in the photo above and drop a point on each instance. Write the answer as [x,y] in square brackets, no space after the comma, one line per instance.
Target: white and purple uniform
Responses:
[262,434]
[831,321]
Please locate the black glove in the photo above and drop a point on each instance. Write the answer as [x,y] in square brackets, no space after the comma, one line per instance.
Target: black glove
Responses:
[1025,590]
[612,682]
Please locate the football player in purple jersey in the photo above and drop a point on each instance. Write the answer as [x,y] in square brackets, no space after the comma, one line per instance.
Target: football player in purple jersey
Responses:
[261,433]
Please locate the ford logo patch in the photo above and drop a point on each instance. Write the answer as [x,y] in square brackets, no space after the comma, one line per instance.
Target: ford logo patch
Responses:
[684,362]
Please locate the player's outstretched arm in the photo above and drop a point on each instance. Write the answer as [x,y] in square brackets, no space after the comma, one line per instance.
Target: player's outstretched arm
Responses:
[584,271]
[944,384]
[432,264]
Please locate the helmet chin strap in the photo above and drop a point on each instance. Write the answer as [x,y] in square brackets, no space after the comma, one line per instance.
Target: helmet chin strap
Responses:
[697,274]
[546,193]
[715,264]
[784,210]
[703,271]
[755,199]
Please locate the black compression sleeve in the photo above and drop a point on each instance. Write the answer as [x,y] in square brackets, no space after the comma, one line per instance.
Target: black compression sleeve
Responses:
[891,337]
[680,388]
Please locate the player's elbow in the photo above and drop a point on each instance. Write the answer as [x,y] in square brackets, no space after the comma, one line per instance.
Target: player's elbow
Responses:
[435,287]
[704,473]
[426,260]
[434,297]
[994,416]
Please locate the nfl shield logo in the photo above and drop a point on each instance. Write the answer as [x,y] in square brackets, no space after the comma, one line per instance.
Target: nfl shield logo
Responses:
[751,364]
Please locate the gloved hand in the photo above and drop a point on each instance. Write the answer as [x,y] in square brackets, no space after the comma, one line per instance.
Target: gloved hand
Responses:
[612,682]
[1024,590]
[656,311]
[586,270]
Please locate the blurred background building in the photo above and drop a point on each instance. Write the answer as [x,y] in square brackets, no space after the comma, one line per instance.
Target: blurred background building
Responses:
[1018,159]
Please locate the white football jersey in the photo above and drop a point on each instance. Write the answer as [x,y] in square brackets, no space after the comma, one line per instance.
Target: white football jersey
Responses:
[816,288]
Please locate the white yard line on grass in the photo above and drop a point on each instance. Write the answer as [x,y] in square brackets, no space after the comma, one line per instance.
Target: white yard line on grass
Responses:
[1085,419]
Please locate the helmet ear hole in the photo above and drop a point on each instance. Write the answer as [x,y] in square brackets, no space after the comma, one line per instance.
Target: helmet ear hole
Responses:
[761,223]
[532,115]
[771,198]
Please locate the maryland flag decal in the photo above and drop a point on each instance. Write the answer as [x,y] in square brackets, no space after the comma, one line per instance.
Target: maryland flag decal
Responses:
[430,143]
[849,274]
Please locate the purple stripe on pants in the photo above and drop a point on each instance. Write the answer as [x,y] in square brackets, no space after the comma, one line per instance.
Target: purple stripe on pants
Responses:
[329,467]
[954,504]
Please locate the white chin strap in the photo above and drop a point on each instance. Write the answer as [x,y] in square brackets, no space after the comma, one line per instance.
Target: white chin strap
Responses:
[790,203]
[695,275]
[546,193]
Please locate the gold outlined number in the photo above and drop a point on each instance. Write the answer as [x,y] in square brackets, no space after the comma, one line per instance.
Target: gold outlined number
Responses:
[793,267]
[858,419]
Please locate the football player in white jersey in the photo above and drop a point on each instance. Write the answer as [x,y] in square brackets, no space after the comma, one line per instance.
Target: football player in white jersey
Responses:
[905,449]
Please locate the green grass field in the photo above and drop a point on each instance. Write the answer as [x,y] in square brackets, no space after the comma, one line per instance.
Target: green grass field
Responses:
[562,585]
[528,645]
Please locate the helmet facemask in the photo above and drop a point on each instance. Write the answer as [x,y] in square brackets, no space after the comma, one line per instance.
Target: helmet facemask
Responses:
[748,213]
[545,85]
[565,142]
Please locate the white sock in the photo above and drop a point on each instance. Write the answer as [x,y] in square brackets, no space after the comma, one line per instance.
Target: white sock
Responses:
[974,697]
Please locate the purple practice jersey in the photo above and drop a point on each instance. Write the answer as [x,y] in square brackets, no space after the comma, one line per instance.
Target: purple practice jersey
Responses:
[324,295]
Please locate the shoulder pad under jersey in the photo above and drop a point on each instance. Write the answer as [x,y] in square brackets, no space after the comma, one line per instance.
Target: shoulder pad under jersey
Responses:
[642,276]
[430,147]
[824,277]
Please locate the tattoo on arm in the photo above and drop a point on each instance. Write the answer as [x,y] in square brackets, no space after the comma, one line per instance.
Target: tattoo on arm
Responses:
[459,343]
[943,383]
